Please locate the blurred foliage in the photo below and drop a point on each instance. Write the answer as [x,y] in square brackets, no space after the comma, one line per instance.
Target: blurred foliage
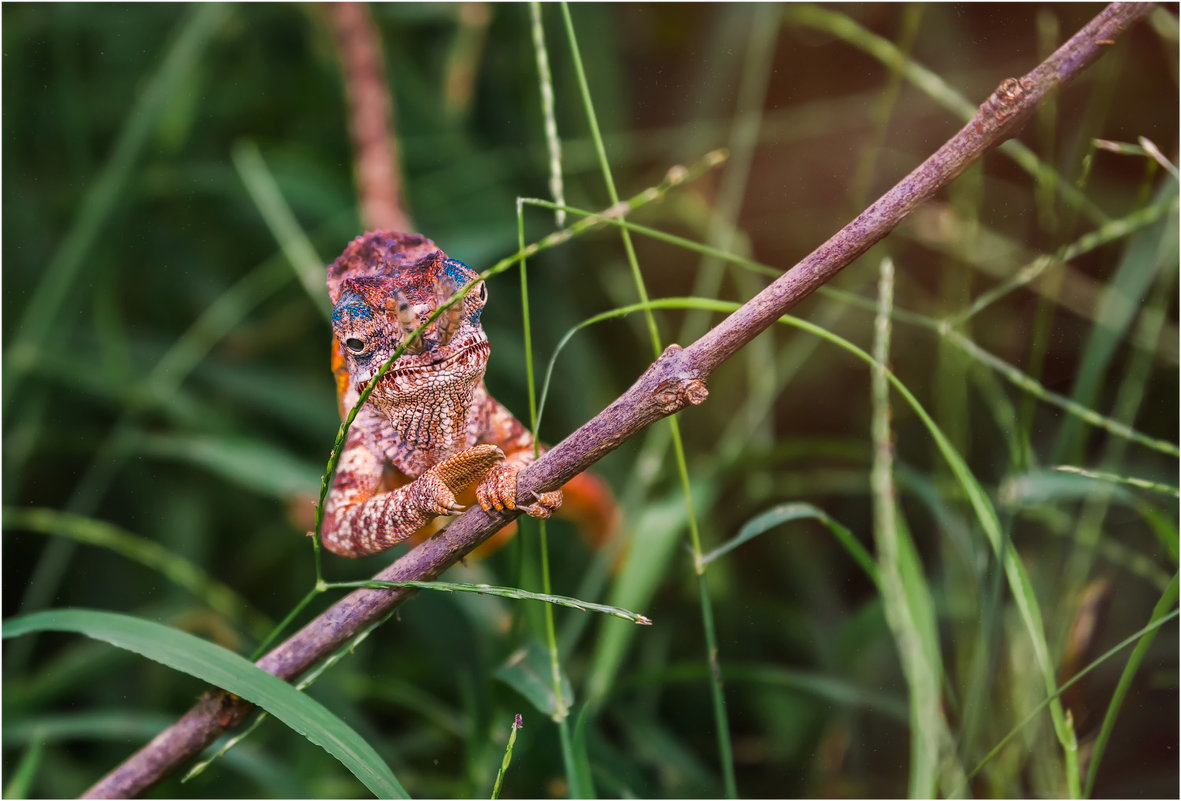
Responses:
[166,374]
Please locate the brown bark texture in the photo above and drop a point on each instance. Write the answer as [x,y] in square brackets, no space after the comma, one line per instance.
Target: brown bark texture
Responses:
[676,379]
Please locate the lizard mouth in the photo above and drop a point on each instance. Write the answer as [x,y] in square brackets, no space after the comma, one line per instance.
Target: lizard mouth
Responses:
[463,362]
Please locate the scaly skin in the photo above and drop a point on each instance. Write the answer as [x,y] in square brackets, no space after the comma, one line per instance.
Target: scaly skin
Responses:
[429,429]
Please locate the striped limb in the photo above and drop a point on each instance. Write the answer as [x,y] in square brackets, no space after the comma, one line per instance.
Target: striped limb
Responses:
[360,521]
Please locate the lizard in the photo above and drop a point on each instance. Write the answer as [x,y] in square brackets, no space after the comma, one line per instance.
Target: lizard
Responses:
[430,428]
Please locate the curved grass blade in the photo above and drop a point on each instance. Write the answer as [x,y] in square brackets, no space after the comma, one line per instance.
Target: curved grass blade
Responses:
[1149,629]
[1167,600]
[1007,371]
[502,592]
[528,671]
[1113,478]
[1015,573]
[241,461]
[292,239]
[180,571]
[787,512]
[819,685]
[116,725]
[229,671]
[23,776]
[43,312]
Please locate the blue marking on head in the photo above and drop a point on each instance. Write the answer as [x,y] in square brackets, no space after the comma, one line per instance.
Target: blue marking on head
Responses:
[352,304]
[457,271]
[460,273]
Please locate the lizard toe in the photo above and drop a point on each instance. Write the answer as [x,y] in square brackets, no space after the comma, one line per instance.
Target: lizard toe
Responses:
[546,503]
[498,490]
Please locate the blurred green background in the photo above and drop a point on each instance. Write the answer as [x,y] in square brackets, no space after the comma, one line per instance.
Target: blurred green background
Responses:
[166,374]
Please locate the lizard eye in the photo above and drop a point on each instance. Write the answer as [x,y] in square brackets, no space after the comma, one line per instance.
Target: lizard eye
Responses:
[482,292]
[354,344]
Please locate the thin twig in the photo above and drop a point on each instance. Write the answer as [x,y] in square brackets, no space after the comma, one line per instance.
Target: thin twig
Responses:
[675,380]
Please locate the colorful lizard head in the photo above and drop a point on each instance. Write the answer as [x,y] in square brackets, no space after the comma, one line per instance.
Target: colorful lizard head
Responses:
[383,287]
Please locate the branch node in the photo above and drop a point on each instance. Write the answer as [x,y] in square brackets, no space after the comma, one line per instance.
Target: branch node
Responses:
[678,384]
[676,393]
[1005,101]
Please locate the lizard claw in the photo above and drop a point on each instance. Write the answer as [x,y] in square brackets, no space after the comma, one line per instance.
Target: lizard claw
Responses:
[547,502]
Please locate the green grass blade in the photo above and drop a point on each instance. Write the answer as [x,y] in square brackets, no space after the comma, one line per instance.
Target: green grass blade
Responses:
[787,512]
[906,596]
[725,750]
[43,313]
[508,752]
[229,671]
[583,780]
[1113,478]
[663,525]
[1166,603]
[1151,249]
[1014,571]
[1149,629]
[504,592]
[989,245]
[241,461]
[528,671]
[281,221]
[25,773]
[180,571]
[308,679]
[1078,411]
[546,85]
[1006,370]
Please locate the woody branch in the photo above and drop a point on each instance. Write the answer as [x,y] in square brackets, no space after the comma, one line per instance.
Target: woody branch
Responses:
[674,380]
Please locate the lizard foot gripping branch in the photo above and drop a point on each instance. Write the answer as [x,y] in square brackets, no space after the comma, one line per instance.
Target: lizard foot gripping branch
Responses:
[429,429]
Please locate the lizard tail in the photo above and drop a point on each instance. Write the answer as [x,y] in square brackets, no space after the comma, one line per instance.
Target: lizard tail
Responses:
[370,118]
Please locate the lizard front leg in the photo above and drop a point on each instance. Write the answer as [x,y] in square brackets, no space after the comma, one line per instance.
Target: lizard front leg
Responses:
[498,489]
[360,521]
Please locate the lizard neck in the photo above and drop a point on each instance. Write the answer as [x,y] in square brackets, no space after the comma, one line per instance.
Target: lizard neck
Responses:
[419,430]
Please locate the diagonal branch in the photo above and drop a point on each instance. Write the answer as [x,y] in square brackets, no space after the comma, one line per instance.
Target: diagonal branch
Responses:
[675,380]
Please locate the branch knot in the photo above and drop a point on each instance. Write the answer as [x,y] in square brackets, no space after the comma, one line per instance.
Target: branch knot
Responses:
[679,386]
[1004,102]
